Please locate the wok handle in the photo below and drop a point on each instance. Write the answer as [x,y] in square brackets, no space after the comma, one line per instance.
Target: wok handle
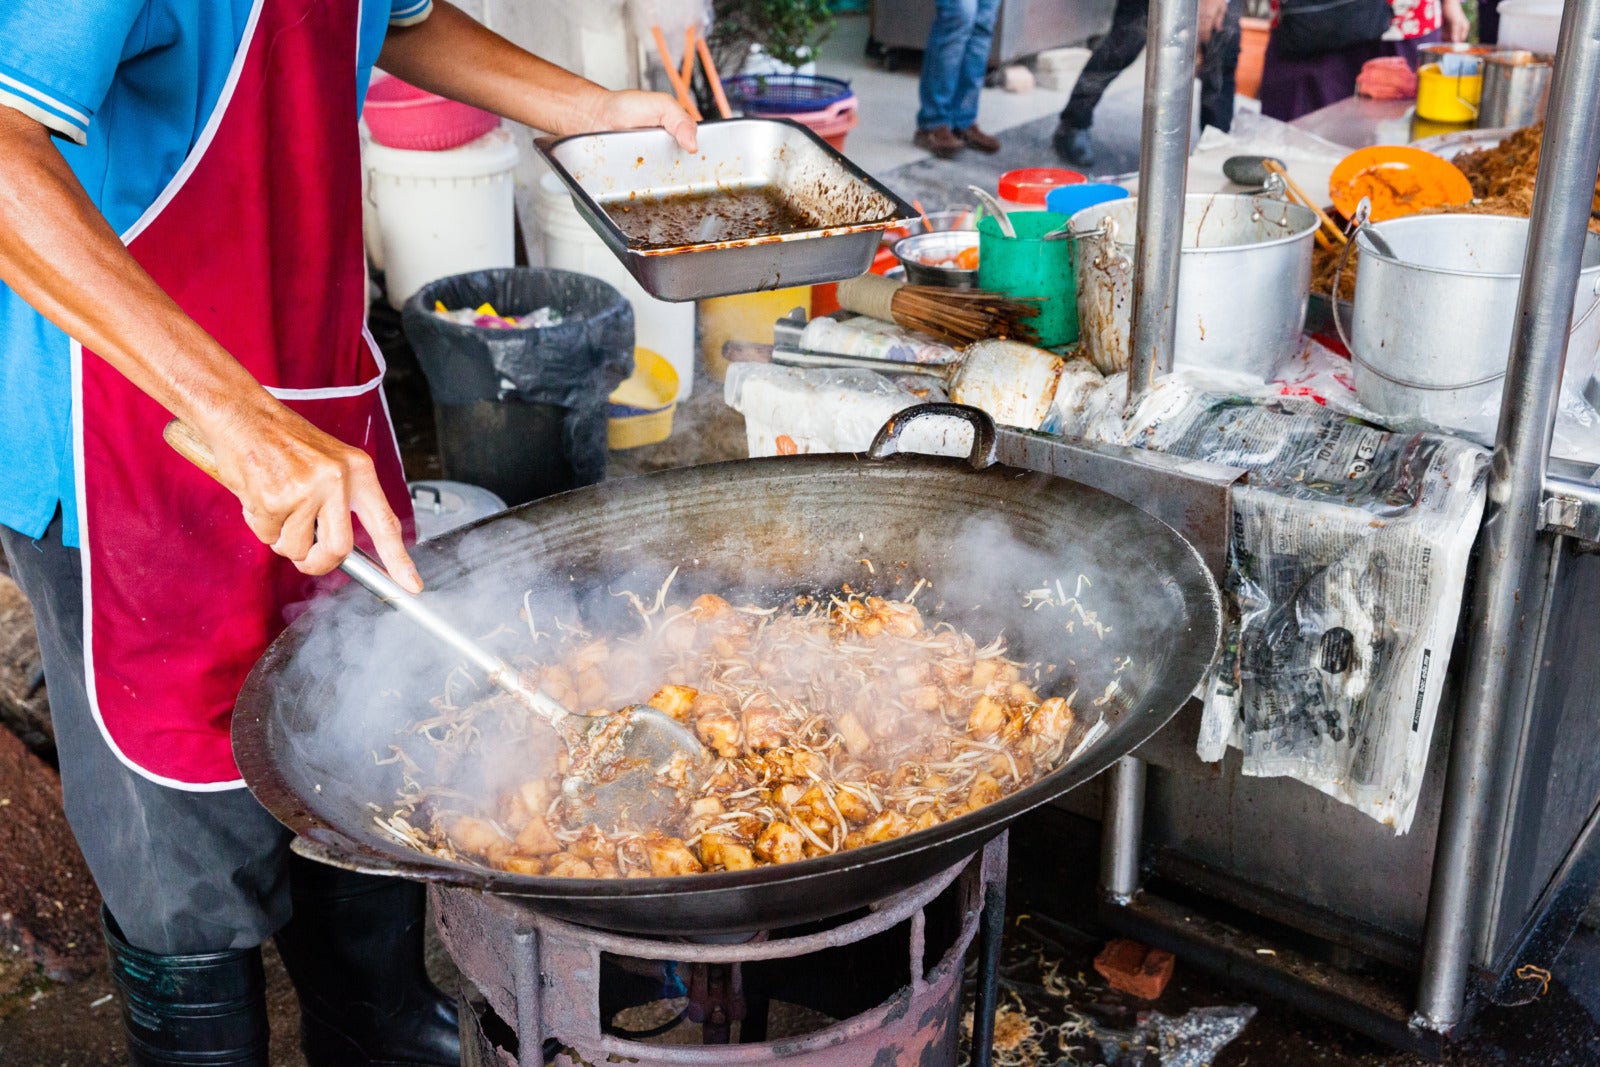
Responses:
[983,455]
[367,573]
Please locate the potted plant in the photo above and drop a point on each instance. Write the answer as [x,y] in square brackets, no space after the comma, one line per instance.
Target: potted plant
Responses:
[788,31]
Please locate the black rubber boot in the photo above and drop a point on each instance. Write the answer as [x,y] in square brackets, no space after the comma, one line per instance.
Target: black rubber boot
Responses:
[179,1011]
[354,952]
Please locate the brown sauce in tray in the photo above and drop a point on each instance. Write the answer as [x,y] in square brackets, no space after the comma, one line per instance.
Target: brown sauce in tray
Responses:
[703,218]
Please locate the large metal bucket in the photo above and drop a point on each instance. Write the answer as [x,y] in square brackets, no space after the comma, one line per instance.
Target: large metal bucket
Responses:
[1244,277]
[1432,325]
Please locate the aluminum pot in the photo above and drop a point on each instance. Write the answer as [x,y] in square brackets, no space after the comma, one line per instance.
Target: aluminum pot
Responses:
[1243,279]
[1431,328]
[1516,88]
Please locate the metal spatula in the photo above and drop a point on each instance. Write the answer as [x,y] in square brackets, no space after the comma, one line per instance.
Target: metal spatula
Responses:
[623,765]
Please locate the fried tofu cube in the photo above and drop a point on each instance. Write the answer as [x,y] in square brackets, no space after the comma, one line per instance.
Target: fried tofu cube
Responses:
[669,857]
[566,865]
[721,852]
[927,820]
[1021,693]
[912,674]
[720,732]
[853,808]
[674,700]
[780,843]
[536,794]
[856,739]
[520,864]
[985,790]
[1052,721]
[590,656]
[708,704]
[537,839]
[706,808]
[887,826]
[475,835]
[983,672]
[987,717]
[927,698]
[763,727]
[594,847]
[709,606]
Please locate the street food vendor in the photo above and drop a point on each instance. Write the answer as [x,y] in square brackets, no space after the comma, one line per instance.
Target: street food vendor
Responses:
[180,235]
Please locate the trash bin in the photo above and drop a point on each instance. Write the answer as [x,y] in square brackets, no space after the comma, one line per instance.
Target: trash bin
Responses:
[522,412]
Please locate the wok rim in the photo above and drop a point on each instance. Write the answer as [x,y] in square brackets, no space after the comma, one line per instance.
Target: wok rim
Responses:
[321,840]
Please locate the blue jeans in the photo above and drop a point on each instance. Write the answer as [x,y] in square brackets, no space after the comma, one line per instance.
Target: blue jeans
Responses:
[954,62]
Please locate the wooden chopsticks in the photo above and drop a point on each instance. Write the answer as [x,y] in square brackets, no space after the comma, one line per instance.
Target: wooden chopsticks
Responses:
[1298,194]
[682,76]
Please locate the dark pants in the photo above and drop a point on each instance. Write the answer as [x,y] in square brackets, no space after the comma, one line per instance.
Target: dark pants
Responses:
[1122,45]
[1294,86]
[181,872]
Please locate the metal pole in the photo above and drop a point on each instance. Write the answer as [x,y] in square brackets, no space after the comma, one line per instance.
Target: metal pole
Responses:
[1506,604]
[1121,830]
[1163,176]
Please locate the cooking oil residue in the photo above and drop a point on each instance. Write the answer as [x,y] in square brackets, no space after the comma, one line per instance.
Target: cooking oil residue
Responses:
[703,218]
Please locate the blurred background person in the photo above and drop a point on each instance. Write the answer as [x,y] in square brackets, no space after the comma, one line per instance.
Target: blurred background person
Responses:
[1295,81]
[953,66]
[1122,44]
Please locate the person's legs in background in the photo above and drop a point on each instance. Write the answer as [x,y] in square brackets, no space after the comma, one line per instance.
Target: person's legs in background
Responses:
[942,63]
[1218,61]
[1117,49]
[974,65]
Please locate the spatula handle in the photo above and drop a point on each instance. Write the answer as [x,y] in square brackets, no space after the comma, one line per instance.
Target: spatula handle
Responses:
[367,573]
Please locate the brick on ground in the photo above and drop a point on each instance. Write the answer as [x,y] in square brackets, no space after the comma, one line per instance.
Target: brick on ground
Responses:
[49,908]
[1135,969]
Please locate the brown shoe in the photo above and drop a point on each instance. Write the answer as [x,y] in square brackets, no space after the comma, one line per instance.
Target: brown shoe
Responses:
[940,141]
[972,137]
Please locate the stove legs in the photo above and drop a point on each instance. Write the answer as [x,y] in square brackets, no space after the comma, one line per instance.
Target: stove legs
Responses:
[991,932]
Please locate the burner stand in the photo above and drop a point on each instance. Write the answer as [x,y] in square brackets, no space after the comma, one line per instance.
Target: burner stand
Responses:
[542,991]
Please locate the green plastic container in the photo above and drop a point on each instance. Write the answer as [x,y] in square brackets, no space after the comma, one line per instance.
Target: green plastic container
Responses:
[1026,266]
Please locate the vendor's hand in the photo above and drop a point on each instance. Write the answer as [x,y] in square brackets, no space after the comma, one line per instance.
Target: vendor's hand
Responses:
[299,486]
[632,109]
[1213,13]
[1456,27]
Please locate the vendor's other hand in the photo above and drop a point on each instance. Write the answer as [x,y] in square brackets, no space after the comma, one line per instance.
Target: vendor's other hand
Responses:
[1456,26]
[633,109]
[299,486]
[1212,14]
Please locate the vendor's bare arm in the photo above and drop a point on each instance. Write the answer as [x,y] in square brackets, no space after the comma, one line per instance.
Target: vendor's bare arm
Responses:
[298,486]
[450,54]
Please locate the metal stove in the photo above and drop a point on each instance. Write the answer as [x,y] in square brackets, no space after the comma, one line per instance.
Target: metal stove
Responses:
[877,986]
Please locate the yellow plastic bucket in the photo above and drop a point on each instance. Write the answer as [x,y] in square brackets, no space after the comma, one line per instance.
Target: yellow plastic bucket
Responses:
[1445,97]
[743,317]
[641,407]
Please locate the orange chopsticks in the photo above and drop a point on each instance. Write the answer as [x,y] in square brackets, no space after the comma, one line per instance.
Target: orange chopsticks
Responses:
[682,77]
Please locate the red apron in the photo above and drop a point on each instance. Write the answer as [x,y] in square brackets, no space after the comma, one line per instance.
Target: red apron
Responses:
[258,238]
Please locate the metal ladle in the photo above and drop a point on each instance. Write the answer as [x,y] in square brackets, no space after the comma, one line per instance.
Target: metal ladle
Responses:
[617,760]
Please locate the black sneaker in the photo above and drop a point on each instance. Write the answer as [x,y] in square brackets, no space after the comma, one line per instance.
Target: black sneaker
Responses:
[1073,145]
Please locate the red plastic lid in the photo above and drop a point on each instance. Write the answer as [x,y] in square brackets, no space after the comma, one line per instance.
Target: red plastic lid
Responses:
[1031,185]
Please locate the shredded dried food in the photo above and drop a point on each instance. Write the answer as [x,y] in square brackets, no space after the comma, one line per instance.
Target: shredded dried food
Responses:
[833,723]
[1503,177]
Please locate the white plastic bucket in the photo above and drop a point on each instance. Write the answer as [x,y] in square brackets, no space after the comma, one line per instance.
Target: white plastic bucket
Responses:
[443,213]
[1530,24]
[570,244]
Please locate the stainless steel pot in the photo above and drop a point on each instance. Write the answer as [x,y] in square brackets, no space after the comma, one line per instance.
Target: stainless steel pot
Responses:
[1431,329]
[1516,88]
[937,244]
[1243,279]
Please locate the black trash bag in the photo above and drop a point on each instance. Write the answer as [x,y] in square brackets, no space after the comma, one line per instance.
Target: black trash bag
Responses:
[539,376]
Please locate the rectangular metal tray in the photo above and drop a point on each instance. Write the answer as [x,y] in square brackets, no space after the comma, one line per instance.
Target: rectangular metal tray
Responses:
[602,169]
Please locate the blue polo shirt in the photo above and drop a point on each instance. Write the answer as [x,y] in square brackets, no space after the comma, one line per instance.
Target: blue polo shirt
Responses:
[128,86]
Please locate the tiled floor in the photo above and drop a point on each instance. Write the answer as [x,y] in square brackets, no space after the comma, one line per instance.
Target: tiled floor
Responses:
[882,142]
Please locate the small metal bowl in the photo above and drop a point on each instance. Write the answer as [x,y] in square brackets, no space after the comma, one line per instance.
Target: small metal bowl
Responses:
[942,244]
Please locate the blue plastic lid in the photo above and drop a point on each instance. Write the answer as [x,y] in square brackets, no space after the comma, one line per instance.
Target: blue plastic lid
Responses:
[1070,199]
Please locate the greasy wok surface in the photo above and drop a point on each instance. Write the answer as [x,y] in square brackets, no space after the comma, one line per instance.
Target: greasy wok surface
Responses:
[319,713]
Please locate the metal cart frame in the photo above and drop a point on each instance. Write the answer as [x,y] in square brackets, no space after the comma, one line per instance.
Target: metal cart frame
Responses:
[1506,852]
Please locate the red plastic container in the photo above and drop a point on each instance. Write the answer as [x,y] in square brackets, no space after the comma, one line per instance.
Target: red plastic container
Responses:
[402,116]
[1031,185]
[832,123]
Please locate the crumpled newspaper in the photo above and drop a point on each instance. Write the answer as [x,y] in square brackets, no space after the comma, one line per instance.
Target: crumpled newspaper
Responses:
[1192,1039]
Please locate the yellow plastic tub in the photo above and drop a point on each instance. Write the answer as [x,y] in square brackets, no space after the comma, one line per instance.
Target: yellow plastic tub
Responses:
[642,406]
[1445,97]
[743,317]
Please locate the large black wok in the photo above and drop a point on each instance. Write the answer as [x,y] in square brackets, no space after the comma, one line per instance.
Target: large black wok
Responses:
[333,693]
